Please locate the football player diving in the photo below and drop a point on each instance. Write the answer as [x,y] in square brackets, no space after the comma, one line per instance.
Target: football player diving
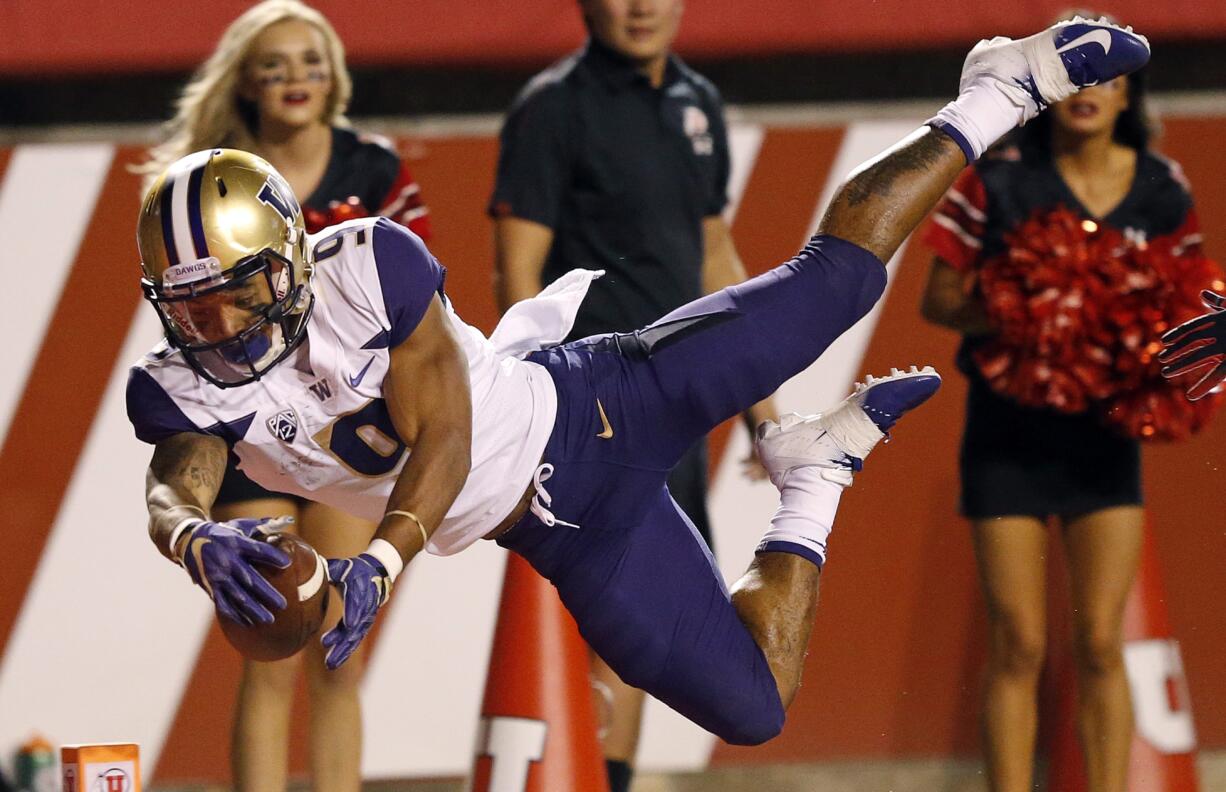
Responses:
[334,367]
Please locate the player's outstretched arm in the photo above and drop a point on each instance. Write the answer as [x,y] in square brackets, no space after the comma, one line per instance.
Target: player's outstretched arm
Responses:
[430,403]
[183,479]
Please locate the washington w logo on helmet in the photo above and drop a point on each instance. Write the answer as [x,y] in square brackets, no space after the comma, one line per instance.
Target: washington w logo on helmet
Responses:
[271,194]
[225,264]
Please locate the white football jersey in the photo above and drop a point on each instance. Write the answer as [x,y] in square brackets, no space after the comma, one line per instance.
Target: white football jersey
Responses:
[316,425]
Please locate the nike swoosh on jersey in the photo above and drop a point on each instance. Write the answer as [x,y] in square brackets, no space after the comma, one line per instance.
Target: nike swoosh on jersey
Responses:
[607,434]
[1100,37]
[356,381]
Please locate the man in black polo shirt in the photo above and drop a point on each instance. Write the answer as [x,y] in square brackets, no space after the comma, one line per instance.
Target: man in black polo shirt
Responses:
[616,158]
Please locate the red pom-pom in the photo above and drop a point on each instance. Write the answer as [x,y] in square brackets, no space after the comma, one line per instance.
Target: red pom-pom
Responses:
[314,219]
[1079,310]
[347,209]
[1044,297]
[1159,410]
[337,212]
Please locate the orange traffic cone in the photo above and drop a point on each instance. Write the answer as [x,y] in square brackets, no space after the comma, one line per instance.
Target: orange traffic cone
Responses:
[538,723]
[1163,752]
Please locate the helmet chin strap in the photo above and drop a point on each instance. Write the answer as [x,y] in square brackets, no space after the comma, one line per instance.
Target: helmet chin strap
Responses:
[300,302]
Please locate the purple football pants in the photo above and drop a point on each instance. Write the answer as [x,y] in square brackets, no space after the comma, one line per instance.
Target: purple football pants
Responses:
[643,588]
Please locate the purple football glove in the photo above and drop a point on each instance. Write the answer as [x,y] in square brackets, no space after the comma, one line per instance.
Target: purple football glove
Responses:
[219,559]
[365,586]
[1199,343]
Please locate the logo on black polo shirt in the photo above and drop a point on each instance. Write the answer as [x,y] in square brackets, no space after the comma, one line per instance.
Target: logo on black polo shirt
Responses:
[698,129]
[283,426]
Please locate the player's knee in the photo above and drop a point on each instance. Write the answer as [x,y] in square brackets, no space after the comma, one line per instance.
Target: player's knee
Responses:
[640,665]
[852,272]
[626,636]
[749,710]
[754,725]
[872,285]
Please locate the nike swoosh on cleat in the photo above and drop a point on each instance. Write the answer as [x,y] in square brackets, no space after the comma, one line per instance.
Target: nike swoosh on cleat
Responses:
[1100,37]
[356,381]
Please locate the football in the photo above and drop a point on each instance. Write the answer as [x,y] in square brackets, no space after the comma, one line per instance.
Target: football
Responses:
[304,584]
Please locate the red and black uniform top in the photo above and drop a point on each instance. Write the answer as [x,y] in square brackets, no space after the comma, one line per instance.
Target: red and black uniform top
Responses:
[992,198]
[365,176]
[1037,461]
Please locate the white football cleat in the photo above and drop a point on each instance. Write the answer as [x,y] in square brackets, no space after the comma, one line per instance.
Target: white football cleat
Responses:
[839,439]
[1047,67]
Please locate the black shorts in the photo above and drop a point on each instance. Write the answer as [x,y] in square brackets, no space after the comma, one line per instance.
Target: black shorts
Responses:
[237,488]
[1023,461]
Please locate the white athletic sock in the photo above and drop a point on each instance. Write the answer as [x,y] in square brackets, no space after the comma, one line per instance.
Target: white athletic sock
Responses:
[807,505]
[981,115]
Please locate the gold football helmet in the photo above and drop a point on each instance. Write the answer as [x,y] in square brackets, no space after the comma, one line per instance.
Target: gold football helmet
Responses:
[225,260]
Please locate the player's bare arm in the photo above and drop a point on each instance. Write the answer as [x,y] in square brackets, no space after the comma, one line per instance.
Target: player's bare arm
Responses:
[520,249]
[429,400]
[183,479]
[430,403]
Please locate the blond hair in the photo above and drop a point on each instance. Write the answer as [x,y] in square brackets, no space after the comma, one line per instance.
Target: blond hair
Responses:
[210,111]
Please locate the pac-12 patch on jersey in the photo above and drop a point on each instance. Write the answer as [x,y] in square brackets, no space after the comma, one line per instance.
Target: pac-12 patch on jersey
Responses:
[284,426]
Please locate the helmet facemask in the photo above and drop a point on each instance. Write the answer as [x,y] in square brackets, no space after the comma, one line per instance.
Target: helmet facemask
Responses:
[233,327]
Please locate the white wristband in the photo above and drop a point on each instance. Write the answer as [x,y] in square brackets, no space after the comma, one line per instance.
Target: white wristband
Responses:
[183,525]
[387,555]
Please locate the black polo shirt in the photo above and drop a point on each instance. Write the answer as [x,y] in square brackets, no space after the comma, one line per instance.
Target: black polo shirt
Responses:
[624,174]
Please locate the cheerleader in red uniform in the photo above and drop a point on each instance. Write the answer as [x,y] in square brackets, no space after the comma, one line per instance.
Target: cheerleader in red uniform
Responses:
[1022,465]
[277,86]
